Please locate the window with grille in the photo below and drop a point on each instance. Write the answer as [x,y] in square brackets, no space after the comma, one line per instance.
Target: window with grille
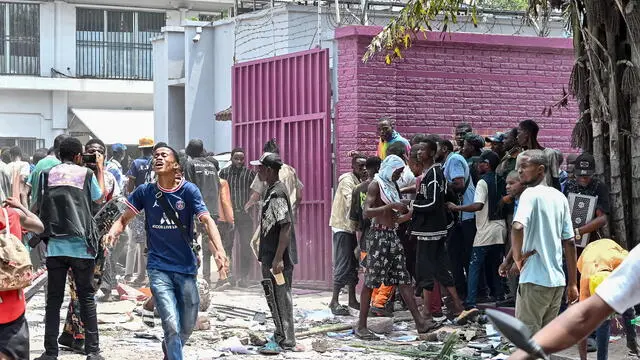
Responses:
[115,44]
[19,39]
[27,145]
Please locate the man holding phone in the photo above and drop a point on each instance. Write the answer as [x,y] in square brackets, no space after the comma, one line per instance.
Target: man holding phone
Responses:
[65,209]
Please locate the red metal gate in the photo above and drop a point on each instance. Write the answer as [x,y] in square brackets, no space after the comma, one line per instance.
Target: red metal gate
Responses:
[288,98]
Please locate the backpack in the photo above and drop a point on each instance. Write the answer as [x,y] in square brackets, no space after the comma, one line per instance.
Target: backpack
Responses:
[16,271]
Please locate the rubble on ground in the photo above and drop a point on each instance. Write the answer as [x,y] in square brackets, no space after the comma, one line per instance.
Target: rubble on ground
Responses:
[238,323]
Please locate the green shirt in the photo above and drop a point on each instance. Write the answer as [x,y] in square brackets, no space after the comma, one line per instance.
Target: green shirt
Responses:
[34,178]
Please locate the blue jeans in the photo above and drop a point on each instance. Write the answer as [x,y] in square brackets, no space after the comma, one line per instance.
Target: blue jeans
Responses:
[177,300]
[481,256]
[602,339]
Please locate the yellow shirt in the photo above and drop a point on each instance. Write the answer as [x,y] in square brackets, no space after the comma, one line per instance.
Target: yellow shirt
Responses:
[600,255]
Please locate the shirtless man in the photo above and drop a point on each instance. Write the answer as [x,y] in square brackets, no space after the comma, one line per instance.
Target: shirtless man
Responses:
[385,261]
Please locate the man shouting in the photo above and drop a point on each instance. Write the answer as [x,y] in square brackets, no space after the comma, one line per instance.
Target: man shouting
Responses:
[170,207]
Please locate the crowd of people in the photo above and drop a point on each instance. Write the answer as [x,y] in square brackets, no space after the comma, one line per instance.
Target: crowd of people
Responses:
[181,211]
[492,219]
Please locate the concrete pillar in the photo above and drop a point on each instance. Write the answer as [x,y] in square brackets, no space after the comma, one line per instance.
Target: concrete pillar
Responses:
[199,85]
[59,109]
[47,32]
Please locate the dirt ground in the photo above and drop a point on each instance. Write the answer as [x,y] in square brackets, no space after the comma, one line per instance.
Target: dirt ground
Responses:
[119,324]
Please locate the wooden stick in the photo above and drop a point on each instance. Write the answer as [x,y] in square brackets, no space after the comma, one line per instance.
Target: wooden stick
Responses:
[339,327]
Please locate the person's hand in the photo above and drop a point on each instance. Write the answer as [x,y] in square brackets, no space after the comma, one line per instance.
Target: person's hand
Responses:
[13,202]
[513,272]
[504,269]
[452,207]
[572,294]
[99,160]
[248,206]
[220,257]
[109,240]
[523,260]
[277,266]
[399,207]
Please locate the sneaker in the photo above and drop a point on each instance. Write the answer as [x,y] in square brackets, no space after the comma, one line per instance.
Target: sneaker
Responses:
[46,357]
[592,345]
[95,356]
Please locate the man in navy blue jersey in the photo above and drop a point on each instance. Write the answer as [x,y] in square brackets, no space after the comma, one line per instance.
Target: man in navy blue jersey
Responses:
[170,208]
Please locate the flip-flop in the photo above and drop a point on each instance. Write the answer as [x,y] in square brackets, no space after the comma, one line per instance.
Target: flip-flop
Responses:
[271,348]
[340,310]
[366,335]
[465,315]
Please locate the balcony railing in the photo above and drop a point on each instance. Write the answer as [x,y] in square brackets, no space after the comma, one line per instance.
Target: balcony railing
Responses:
[19,39]
[116,44]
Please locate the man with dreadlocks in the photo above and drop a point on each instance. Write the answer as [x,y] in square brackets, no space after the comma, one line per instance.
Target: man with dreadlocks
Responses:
[385,262]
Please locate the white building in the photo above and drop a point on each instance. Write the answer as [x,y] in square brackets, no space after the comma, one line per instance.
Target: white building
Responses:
[83,67]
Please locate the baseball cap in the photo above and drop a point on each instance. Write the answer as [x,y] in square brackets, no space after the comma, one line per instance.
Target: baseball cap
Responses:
[475,140]
[270,160]
[490,158]
[585,165]
[497,138]
[118,147]
[145,142]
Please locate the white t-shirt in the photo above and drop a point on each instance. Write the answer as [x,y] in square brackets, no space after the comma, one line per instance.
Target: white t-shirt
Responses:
[489,232]
[407,179]
[22,167]
[544,213]
[621,290]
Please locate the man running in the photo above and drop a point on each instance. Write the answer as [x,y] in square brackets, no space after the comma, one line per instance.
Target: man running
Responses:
[172,266]
[385,262]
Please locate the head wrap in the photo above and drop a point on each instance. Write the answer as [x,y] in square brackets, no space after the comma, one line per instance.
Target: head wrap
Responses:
[388,188]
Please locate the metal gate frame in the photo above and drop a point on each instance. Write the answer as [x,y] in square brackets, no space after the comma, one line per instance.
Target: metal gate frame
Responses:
[289,98]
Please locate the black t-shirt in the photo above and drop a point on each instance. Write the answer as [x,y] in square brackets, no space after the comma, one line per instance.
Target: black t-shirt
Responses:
[357,208]
[276,212]
[204,174]
[595,188]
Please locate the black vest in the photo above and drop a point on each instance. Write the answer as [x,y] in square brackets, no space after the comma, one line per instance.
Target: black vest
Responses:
[496,190]
[66,205]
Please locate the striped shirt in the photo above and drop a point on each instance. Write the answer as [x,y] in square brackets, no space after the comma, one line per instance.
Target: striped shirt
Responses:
[240,185]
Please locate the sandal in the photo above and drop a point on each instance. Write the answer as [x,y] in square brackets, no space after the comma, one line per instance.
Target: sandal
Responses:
[366,335]
[340,310]
[271,348]
[462,318]
[430,325]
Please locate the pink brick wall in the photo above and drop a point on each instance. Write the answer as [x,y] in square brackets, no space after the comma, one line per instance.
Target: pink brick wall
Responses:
[490,81]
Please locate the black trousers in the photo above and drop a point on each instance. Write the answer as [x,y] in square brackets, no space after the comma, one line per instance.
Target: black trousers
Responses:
[83,270]
[432,264]
[244,228]
[345,262]
[284,306]
[459,246]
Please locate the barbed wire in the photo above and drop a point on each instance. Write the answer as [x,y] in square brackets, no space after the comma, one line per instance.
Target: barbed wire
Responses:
[264,33]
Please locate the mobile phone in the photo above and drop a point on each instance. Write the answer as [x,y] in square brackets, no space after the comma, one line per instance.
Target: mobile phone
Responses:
[89,158]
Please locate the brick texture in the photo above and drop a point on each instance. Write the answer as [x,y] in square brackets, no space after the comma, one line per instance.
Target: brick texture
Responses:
[438,84]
